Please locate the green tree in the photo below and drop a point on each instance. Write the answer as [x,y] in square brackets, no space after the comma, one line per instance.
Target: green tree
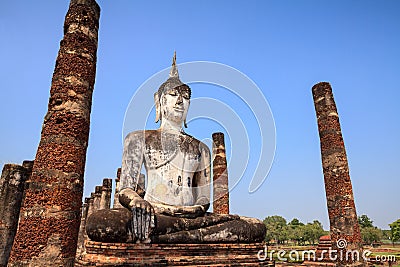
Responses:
[313,231]
[296,230]
[276,229]
[364,221]
[371,234]
[395,230]
[295,222]
[387,235]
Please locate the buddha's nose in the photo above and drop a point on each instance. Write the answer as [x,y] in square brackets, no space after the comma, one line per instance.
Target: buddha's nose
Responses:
[179,100]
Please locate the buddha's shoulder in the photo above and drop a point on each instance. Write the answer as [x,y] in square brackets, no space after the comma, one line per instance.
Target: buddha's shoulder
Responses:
[142,135]
[157,138]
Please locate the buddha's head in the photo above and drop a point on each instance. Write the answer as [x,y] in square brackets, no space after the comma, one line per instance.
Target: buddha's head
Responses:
[172,98]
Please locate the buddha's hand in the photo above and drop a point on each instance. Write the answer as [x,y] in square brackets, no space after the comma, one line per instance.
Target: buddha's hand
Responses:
[142,219]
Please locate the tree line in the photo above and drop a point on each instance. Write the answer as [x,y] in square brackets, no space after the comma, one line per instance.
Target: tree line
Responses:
[372,234]
[280,231]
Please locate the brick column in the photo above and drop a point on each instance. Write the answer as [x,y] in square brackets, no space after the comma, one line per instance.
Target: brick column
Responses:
[50,216]
[339,192]
[105,198]
[116,204]
[220,176]
[12,183]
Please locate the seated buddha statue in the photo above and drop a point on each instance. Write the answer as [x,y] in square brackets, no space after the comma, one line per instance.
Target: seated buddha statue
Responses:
[172,207]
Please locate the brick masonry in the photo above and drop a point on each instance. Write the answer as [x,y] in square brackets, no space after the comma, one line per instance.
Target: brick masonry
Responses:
[220,176]
[50,216]
[128,254]
[338,188]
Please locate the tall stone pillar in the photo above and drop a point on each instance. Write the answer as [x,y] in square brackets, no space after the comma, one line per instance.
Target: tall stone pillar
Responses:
[220,176]
[116,204]
[105,199]
[12,183]
[50,216]
[344,228]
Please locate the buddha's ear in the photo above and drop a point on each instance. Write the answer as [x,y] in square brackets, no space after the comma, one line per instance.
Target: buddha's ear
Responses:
[158,109]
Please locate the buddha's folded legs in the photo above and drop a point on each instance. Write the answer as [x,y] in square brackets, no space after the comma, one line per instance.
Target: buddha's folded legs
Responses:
[234,230]
[115,225]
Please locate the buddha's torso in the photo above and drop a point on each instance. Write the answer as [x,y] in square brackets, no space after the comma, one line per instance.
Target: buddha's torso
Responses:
[170,159]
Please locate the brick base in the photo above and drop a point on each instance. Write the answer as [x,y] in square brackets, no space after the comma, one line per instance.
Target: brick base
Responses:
[127,254]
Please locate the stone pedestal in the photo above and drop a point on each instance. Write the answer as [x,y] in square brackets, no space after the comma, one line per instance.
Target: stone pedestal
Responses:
[126,254]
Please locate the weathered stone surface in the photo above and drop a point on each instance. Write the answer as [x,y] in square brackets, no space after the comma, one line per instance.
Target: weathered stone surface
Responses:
[240,230]
[170,224]
[109,225]
[114,226]
[339,192]
[12,184]
[220,176]
[50,216]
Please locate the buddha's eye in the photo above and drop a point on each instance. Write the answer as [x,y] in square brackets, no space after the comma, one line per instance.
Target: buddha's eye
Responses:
[172,92]
[185,96]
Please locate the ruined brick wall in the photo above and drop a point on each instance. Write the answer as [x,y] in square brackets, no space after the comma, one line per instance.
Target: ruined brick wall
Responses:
[103,200]
[12,184]
[50,215]
[220,176]
[339,192]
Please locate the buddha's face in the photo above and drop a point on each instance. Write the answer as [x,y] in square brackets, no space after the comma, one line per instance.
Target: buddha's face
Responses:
[175,105]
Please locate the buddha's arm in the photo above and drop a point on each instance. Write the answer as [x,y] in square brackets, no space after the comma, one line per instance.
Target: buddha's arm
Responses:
[142,211]
[202,179]
[132,159]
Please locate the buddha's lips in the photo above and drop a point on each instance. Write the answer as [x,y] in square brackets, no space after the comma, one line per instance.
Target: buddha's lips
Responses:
[179,109]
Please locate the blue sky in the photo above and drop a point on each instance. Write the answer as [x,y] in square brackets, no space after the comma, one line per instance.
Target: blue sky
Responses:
[285,47]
